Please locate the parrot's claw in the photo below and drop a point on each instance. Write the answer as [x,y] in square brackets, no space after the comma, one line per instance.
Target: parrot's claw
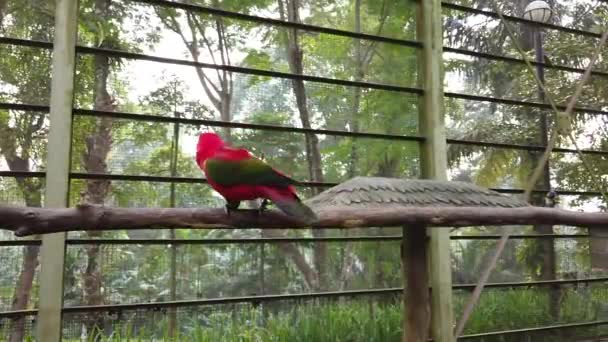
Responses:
[264,205]
[231,206]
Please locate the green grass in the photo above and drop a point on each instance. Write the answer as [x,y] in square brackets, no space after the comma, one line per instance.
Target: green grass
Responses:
[367,320]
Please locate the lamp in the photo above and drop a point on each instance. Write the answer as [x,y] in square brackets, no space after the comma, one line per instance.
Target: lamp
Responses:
[538,11]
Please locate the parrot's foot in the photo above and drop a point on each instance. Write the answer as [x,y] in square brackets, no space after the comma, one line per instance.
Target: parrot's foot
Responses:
[263,207]
[227,210]
[231,206]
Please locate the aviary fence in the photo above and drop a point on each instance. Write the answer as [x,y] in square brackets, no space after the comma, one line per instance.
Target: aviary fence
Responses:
[160,283]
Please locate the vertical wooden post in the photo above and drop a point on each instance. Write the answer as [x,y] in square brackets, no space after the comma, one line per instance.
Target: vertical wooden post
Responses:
[52,253]
[416,291]
[434,161]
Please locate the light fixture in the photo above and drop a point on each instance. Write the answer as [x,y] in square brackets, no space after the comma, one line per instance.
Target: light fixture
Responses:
[538,11]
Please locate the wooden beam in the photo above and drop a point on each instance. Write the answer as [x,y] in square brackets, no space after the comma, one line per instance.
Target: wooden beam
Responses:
[27,221]
[52,252]
[433,156]
[416,292]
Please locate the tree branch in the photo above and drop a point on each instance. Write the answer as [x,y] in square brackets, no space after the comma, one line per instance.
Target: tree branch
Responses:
[29,220]
[195,24]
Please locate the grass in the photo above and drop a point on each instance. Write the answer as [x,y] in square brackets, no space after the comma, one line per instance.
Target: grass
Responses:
[361,320]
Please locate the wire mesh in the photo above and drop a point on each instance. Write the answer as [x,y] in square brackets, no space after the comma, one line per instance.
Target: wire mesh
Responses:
[19,283]
[319,320]
[475,32]
[262,94]
[532,308]
[18,328]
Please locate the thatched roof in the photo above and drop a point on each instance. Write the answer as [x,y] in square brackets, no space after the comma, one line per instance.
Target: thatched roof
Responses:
[394,192]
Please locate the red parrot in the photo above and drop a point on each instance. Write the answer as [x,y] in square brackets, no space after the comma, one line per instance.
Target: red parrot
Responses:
[239,176]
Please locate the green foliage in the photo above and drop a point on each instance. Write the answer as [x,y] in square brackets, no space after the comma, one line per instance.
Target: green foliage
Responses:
[142,273]
[371,320]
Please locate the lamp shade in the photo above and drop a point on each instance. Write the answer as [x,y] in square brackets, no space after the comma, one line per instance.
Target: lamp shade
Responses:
[538,11]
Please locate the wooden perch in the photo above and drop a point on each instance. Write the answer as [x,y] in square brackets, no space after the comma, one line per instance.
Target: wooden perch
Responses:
[28,221]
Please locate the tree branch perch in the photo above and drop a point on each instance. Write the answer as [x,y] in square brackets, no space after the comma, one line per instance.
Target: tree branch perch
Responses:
[28,220]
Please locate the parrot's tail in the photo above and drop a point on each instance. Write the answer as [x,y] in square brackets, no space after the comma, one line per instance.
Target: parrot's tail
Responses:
[291,205]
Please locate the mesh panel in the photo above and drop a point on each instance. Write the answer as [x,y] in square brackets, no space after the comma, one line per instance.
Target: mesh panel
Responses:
[19,284]
[529,308]
[318,320]
[18,328]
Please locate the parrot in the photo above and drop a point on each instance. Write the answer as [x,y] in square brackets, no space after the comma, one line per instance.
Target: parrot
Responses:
[238,175]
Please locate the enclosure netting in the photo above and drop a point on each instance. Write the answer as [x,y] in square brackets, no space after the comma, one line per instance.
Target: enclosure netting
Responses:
[151,75]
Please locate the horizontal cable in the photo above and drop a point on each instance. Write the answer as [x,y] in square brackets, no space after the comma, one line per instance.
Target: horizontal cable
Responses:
[277,22]
[219,123]
[26,42]
[143,178]
[467,9]
[168,179]
[77,242]
[302,296]
[231,124]
[482,98]
[179,242]
[229,241]
[20,243]
[18,313]
[23,174]
[244,70]
[533,283]
[557,190]
[25,107]
[270,298]
[519,236]
[520,61]
[522,147]
[536,329]
[230,300]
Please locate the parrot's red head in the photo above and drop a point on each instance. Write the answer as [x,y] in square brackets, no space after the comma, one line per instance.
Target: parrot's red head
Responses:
[208,144]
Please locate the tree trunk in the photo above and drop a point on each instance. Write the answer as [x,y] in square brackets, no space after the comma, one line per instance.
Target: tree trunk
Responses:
[16,151]
[290,250]
[546,257]
[98,146]
[3,5]
[23,289]
[313,156]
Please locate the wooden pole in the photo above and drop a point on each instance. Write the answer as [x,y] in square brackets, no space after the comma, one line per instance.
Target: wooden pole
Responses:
[433,156]
[52,252]
[416,291]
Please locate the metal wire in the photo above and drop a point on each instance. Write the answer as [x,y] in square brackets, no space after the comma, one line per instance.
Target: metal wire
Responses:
[304,296]
[312,28]
[277,22]
[535,329]
[481,98]
[467,9]
[186,180]
[218,123]
[522,147]
[519,61]
[77,242]
[231,124]
[299,239]
[243,70]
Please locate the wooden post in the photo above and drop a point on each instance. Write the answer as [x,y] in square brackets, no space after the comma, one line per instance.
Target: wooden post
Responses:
[52,252]
[416,291]
[433,157]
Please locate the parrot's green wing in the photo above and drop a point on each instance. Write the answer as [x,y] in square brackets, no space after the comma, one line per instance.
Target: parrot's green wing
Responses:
[250,171]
